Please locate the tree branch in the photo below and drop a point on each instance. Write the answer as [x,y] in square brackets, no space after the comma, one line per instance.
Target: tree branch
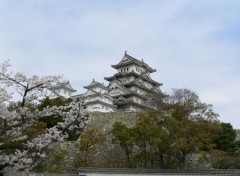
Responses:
[11,79]
[34,87]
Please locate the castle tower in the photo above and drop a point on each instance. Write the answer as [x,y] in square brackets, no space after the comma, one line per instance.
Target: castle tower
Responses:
[131,85]
[97,98]
[64,90]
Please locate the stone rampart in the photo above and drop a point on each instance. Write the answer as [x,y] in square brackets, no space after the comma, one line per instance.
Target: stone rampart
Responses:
[109,154]
[104,121]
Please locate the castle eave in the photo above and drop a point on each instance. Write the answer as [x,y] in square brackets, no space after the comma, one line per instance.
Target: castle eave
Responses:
[124,74]
[131,63]
[100,102]
[97,85]
[130,102]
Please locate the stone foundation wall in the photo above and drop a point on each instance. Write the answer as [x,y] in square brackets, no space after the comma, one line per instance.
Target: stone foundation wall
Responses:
[109,154]
[104,121]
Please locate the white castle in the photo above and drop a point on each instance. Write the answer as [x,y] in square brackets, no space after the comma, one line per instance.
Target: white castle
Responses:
[128,89]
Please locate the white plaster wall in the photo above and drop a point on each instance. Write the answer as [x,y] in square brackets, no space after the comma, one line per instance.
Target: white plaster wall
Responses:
[132,68]
[101,98]
[106,100]
[138,90]
[127,69]
[64,93]
[138,100]
[133,108]
[147,84]
[100,90]
[124,80]
[132,78]
[135,68]
[114,92]
[99,107]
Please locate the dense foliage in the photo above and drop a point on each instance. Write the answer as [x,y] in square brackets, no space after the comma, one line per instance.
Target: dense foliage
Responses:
[172,135]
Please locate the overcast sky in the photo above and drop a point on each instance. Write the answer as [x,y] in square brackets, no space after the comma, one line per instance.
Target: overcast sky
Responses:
[193,44]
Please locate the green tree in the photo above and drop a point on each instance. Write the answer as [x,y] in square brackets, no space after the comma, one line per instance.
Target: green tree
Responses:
[123,134]
[189,137]
[57,162]
[225,155]
[88,141]
[225,140]
[190,125]
[150,137]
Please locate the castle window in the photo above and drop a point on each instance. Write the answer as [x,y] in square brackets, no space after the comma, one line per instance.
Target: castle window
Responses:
[127,69]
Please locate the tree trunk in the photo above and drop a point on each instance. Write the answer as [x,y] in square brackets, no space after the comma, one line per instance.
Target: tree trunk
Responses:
[145,154]
[23,103]
[86,157]
[182,161]
[127,153]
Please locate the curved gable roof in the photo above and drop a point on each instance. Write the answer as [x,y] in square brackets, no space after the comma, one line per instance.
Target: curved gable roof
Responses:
[127,60]
[96,84]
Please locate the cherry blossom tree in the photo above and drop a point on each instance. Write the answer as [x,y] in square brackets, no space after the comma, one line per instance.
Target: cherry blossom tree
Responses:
[23,137]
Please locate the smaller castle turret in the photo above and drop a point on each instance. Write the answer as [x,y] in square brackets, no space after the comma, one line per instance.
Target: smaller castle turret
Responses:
[97,98]
[64,90]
